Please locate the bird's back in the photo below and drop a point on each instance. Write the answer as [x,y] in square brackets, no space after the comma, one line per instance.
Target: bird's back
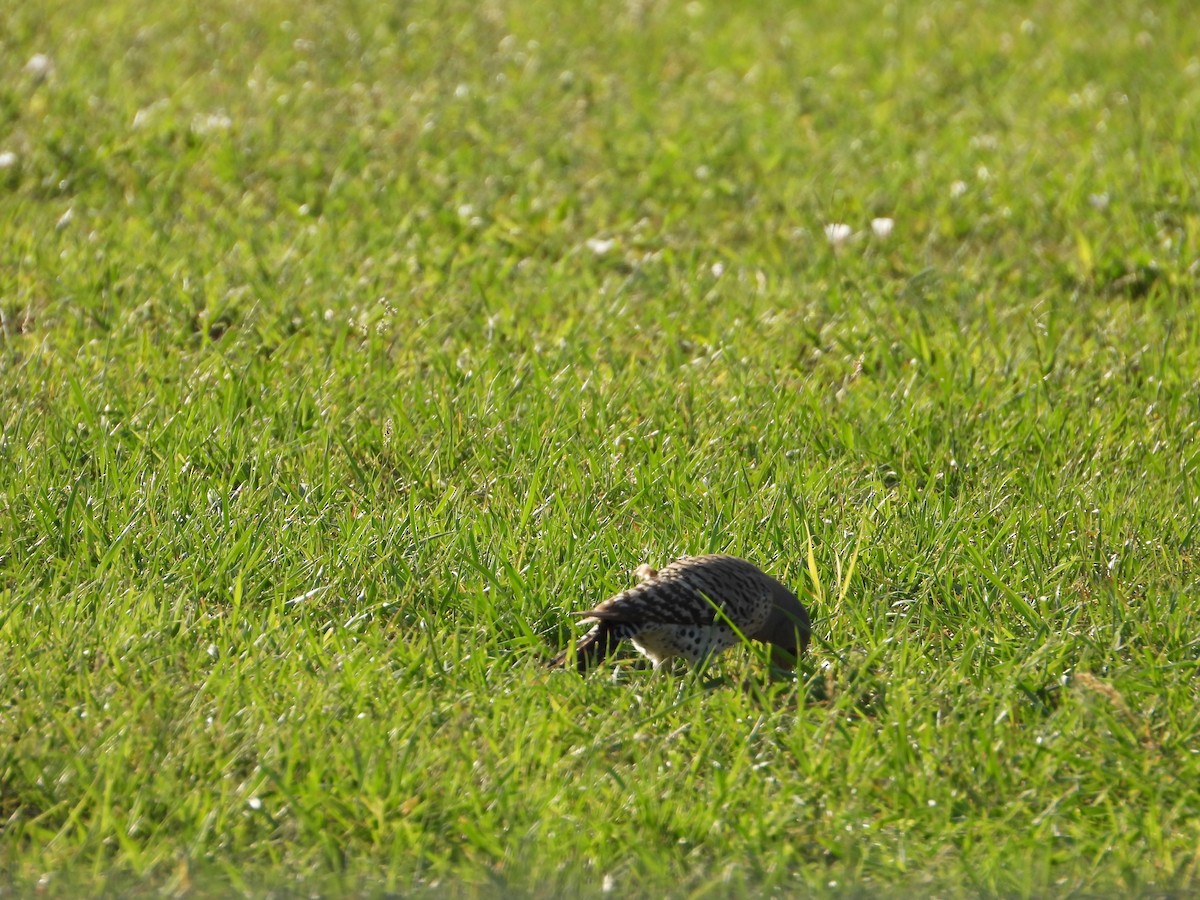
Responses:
[690,591]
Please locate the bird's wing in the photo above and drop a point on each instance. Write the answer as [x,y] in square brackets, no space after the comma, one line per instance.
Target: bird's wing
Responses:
[663,602]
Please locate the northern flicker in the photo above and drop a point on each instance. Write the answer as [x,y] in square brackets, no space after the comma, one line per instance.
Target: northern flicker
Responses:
[690,609]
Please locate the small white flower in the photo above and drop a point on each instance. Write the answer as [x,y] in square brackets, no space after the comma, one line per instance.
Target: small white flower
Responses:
[838,233]
[600,246]
[39,66]
[1098,201]
[204,124]
[718,269]
[466,212]
[882,226]
[982,173]
[958,189]
[254,803]
[8,159]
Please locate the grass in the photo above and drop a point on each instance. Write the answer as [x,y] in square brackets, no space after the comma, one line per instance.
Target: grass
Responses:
[345,348]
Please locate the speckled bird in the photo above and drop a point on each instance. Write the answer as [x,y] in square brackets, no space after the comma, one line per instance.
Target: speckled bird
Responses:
[690,609]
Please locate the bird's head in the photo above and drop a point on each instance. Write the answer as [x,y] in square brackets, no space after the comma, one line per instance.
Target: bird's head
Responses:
[786,629]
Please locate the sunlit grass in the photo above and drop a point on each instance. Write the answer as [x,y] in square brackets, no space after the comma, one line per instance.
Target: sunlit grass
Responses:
[345,349]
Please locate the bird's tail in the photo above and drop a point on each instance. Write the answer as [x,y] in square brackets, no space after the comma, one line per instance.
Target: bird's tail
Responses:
[595,646]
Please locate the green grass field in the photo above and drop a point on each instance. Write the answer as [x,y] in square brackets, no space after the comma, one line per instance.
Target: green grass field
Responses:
[346,347]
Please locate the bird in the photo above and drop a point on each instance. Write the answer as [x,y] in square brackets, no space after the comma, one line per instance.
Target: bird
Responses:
[695,608]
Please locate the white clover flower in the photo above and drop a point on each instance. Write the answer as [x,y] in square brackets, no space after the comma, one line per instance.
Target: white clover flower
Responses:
[8,159]
[204,124]
[1099,201]
[717,269]
[958,188]
[40,66]
[466,213]
[882,226]
[838,233]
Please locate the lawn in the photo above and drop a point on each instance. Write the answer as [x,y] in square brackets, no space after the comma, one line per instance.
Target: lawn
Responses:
[345,348]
